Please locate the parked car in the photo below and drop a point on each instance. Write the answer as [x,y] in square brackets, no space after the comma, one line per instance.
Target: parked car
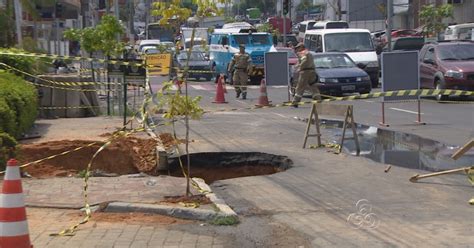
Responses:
[289,38]
[447,65]
[197,62]
[459,32]
[292,57]
[338,74]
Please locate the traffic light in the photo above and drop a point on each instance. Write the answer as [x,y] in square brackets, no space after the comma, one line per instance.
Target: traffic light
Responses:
[286,6]
[59,10]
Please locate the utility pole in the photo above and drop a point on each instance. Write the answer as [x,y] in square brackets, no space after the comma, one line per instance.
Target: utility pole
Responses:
[388,32]
[18,20]
[339,10]
[131,22]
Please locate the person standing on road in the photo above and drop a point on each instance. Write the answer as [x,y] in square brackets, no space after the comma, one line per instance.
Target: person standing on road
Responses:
[306,75]
[241,64]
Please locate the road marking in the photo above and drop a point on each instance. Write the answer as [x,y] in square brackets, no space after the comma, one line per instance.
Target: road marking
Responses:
[406,111]
[198,87]
[280,115]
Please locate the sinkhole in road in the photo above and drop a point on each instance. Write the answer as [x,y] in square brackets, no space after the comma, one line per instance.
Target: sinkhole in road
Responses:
[397,148]
[213,166]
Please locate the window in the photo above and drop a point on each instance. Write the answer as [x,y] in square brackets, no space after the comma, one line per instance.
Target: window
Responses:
[260,39]
[314,43]
[429,55]
[302,28]
[240,39]
[348,42]
[333,61]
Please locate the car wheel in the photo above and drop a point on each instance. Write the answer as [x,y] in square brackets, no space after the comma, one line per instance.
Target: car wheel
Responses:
[440,97]
[208,78]
[198,78]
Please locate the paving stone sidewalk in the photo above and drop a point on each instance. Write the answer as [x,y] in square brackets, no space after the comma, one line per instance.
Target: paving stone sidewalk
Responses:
[117,233]
[68,192]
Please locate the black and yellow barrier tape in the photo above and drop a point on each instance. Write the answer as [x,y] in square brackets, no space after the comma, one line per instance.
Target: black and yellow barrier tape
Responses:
[400,93]
[53,56]
[51,82]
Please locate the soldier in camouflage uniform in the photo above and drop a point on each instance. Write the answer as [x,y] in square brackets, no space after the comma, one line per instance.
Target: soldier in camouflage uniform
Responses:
[307,75]
[241,64]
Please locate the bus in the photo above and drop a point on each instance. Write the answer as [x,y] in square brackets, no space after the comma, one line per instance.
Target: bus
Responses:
[224,43]
[156,31]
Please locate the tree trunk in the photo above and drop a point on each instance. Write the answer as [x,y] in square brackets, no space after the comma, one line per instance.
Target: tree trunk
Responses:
[186,117]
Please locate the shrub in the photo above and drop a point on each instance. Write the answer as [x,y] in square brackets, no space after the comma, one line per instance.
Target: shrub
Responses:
[7,148]
[18,104]
[23,63]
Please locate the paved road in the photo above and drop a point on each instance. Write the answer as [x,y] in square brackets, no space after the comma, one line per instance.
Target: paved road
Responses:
[451,123]
[318,196]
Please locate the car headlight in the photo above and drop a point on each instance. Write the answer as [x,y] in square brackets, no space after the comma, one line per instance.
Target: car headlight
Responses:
[361,79]
[328,80]
[373,64]
[454,74]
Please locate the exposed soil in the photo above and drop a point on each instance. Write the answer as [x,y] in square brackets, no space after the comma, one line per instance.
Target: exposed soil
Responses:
[211,174]
[134,218]
[129,155]
[125,155]
[201,199]
[169,141]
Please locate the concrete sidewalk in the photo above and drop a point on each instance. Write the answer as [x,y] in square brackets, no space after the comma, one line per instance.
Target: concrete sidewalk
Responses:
[318,196]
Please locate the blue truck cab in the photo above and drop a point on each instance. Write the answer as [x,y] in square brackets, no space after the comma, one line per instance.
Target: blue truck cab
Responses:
[224,43]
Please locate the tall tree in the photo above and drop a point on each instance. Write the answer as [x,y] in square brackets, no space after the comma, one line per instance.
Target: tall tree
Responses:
[432,16]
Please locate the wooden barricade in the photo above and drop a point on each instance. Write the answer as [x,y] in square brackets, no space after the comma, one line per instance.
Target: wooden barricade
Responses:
[335,110]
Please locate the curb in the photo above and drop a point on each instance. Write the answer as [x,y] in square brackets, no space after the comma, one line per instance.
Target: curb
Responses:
[179,212]
[225,210]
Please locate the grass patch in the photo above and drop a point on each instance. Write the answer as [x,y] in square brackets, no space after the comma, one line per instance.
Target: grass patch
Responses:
[225,220]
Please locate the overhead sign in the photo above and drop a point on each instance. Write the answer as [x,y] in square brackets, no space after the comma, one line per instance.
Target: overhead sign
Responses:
[159,64]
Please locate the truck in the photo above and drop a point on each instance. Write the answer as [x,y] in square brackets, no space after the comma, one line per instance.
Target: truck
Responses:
[224,43]
[200,37]
[277,23]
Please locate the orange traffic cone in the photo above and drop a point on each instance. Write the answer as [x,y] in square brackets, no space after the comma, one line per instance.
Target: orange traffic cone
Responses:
[220,98]
[263,99]
[13,224]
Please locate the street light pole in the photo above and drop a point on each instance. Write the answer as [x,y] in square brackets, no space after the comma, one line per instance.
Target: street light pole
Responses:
[18,19]
[388,32]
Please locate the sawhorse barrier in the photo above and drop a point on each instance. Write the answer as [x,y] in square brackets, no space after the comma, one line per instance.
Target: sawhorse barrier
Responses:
[335,110]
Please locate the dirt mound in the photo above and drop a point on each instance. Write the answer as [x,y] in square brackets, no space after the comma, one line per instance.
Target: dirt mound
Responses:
[126,155]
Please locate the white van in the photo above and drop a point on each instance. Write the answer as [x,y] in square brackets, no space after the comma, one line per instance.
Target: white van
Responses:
[311,25]
[303,27]
[459,32]
[357,43]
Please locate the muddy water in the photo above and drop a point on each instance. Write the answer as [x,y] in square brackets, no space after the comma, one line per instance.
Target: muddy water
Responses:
[397,148]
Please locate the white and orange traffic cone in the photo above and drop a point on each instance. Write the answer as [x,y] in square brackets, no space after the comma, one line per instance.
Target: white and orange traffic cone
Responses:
[13,224]
[220,98]
[263,99]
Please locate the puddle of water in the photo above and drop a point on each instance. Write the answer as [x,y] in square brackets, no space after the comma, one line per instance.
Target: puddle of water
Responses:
[397,148]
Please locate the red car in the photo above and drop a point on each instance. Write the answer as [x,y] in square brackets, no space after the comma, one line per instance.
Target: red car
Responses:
[292,57]
[401,33]
[447,65]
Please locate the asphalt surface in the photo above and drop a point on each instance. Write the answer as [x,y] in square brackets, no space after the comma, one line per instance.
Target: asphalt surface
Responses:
[450,123]
[336,200]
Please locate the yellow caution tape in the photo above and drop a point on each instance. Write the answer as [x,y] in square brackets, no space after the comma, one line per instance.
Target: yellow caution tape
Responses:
[357,97]
[470,175]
